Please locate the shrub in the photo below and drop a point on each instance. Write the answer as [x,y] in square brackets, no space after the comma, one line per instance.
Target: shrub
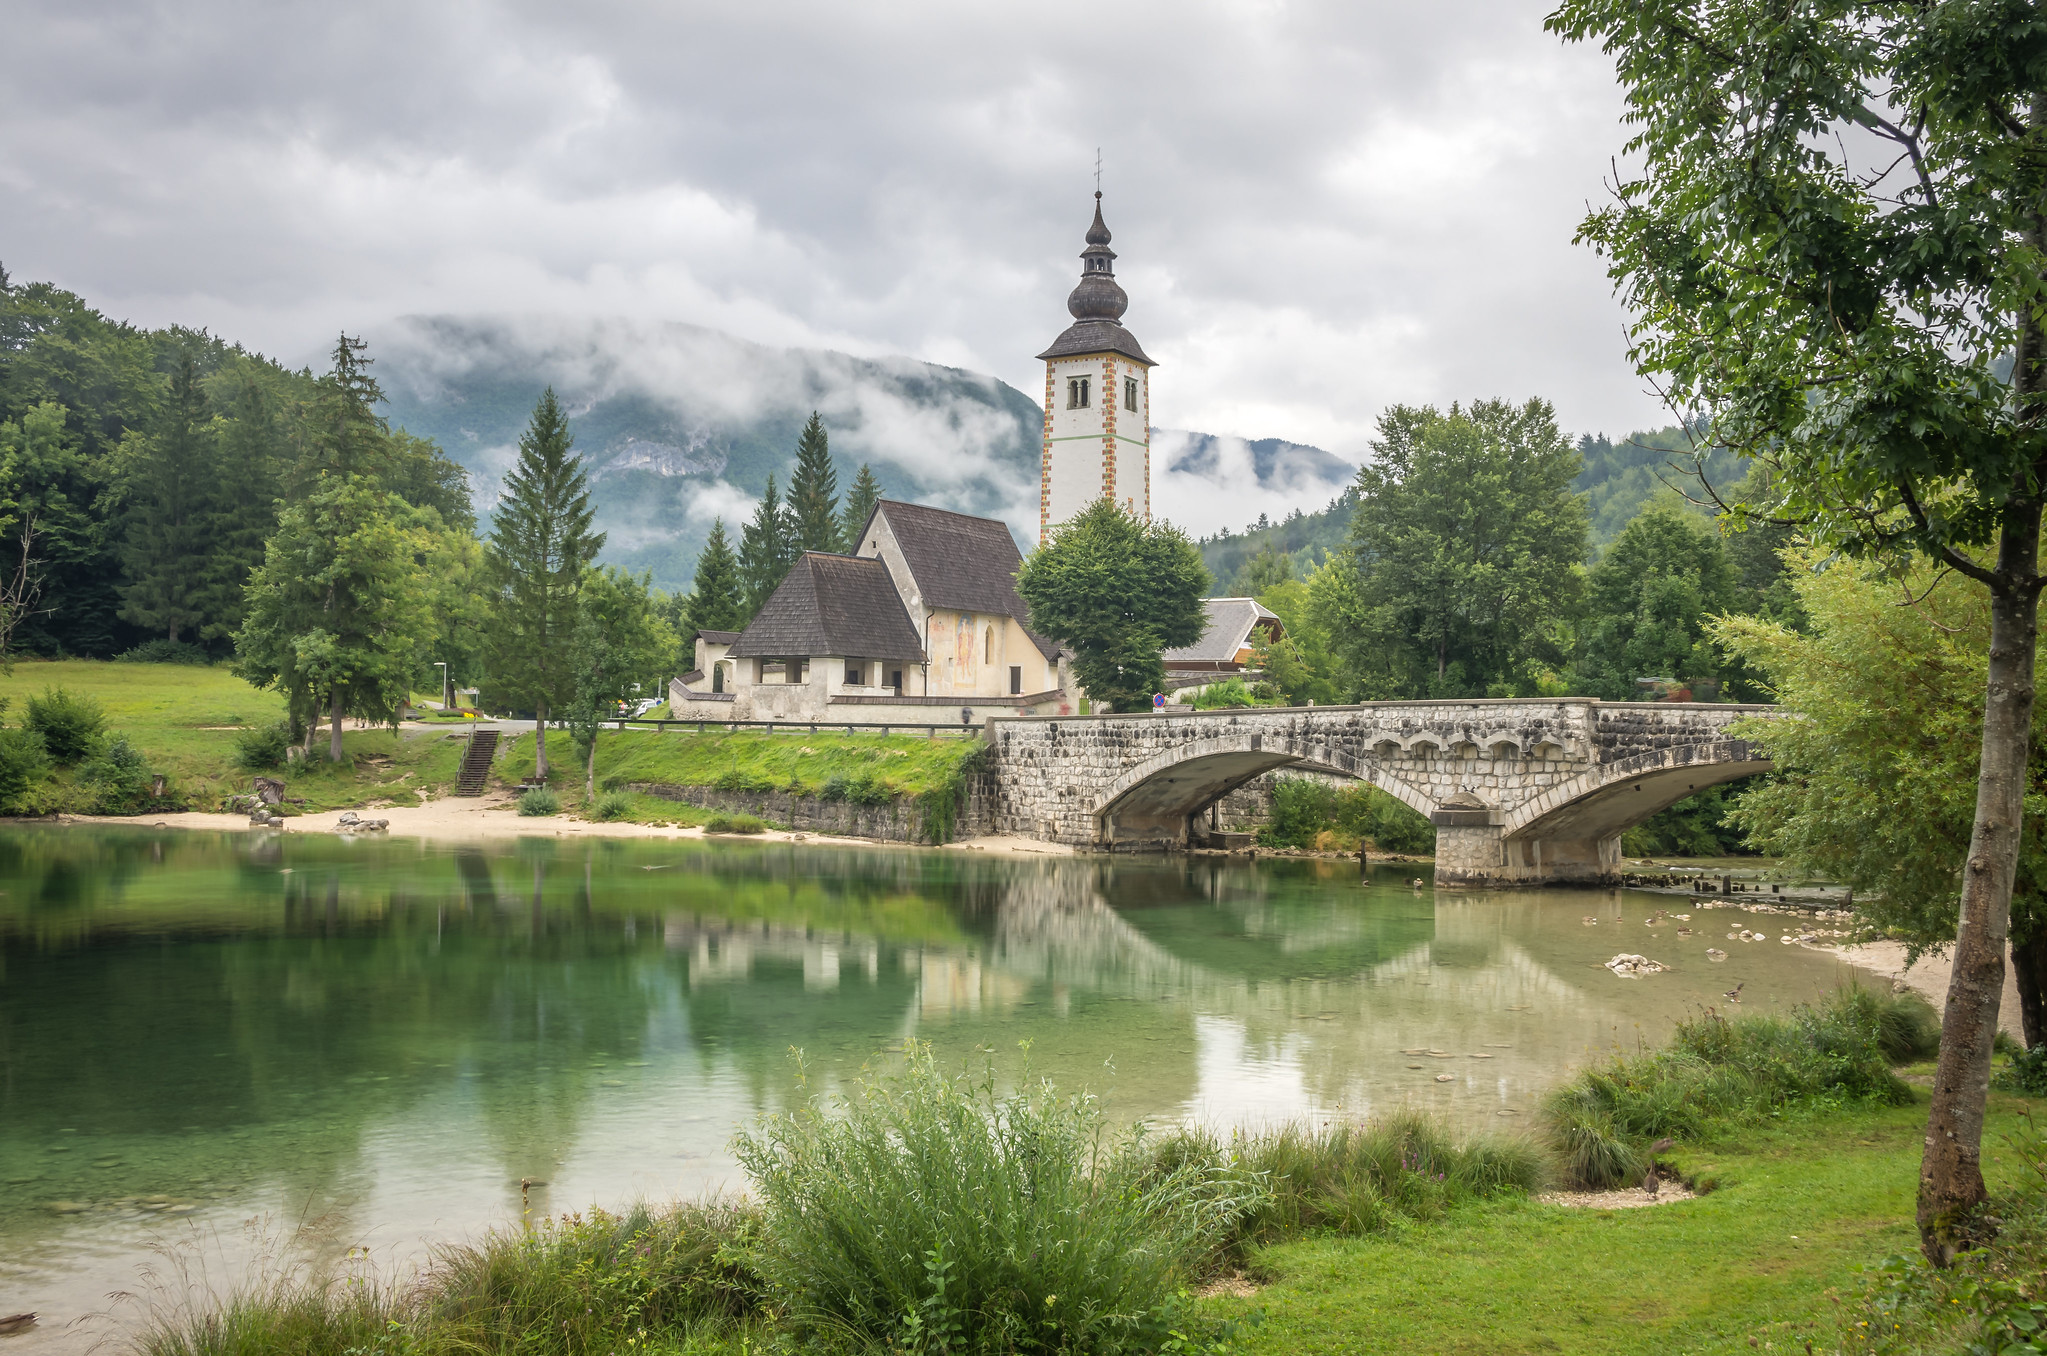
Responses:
[1304,810]
[1717,1069]
[602,1283]
[2026,1072]
[928,1212]
[724,823]
[1223,696]
[71,727]
[162,651]
[613,805]
[24,765]
[539,802]
[120,779]
[1357,1178]
[738,779]
[263,746]
[865,789]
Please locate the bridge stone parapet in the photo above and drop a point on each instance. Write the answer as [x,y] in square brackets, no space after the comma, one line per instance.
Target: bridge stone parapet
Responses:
[1519,790]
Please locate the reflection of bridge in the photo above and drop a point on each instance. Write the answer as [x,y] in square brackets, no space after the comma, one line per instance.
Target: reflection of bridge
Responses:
[1519,790]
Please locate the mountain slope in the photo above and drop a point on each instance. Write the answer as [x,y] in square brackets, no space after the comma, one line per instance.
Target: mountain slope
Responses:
[679,425]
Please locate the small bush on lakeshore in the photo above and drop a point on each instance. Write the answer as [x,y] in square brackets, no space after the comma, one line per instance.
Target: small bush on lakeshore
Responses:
[723,823]
[119,780]
[1743,1068]
[595,1283]
[928,1212]
[262,747]
[72,727]
[539,802]
[612,805]
[24,767]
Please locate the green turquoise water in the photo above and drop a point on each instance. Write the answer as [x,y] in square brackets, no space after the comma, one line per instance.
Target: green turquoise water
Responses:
[217,1045]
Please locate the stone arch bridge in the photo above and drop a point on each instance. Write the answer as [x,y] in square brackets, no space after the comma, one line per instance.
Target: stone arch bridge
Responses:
[1519,790]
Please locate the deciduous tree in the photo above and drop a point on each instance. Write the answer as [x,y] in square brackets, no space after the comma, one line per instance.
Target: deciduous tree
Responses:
[1647,603]
[1118,590]
[1875,784]
[1835,241]
[622,648]
[1463,556]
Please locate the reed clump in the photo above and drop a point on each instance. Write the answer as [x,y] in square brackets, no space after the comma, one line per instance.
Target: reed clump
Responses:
[929,1211]
[1720,1069]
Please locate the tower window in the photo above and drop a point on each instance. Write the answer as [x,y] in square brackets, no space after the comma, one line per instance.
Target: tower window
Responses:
[1077,392]
[1130,393]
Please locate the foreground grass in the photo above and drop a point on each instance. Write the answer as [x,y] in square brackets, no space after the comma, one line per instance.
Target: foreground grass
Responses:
[1777,1253]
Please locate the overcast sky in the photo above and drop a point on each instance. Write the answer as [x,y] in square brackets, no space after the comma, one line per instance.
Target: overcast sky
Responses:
[1320,209]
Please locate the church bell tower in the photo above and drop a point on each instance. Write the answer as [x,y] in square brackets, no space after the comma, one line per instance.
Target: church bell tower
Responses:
[1097,399]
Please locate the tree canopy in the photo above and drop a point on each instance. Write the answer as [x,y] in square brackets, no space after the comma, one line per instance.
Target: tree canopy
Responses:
[1834,239]
[1118,590]
[1461,566]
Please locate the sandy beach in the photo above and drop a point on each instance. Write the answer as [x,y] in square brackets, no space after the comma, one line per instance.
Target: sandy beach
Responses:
[1928,977]
[496,816]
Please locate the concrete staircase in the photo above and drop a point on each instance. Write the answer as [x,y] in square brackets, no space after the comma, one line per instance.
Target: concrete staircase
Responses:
[483,746]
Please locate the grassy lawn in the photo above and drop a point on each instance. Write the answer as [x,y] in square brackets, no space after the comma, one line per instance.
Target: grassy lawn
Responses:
[1756,1264]
[184,720]
[890,766]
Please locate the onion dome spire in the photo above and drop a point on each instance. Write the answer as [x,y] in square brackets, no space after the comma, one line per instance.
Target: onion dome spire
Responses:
[1099,297]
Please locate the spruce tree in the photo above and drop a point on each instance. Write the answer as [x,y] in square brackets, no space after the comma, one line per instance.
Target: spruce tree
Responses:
[715,600]
[766,550]
[814,492]
[167,483]
[540,545]
[861,498]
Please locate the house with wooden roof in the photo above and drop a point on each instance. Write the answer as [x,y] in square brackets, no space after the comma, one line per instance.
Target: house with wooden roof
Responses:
[920,623]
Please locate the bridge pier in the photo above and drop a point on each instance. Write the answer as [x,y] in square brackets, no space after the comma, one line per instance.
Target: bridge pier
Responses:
[1479,855]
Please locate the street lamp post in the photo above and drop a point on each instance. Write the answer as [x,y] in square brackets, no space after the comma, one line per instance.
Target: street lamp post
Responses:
[447,693]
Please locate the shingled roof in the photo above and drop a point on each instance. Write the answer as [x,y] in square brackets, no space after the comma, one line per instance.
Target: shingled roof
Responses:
[832,605]
[1096,336]
[1230,624]
[961,563]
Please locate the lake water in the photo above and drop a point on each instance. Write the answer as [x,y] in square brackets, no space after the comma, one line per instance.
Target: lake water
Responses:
[207,1041]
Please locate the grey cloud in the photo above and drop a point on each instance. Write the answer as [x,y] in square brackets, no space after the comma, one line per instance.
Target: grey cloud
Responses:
[1321,208]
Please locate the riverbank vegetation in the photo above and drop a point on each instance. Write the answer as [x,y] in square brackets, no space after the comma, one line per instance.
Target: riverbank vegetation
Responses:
[929,1210]
[1311,813]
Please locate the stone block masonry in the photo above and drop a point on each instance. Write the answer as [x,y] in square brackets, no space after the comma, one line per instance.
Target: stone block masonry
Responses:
[1519,790]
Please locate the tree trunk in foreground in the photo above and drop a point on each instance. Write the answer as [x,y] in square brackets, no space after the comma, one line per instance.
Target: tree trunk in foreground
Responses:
[1951,1171]
[540,741]
[334,741]
[590,773]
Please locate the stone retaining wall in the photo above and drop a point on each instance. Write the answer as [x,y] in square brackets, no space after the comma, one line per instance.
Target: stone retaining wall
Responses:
[898,821]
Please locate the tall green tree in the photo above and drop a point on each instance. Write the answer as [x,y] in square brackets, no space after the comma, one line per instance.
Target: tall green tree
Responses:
[715,599]
[622,648]
[1647,604]
[250,455]
[337,615]
[767,548]
[814,493]
[540,547]
[1118,590]
[340,612]
[1265,570]
[1463,555]
[1835,241]
[1873,784]
[168,483]
[861,497]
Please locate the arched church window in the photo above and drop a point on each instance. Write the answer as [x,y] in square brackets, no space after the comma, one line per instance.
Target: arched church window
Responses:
[1077,393]
[1130,393]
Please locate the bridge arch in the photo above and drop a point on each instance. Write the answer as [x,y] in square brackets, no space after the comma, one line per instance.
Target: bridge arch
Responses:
[1154,799]
[1608,798]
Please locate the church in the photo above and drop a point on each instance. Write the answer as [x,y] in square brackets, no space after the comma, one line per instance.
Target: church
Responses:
[922,622]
